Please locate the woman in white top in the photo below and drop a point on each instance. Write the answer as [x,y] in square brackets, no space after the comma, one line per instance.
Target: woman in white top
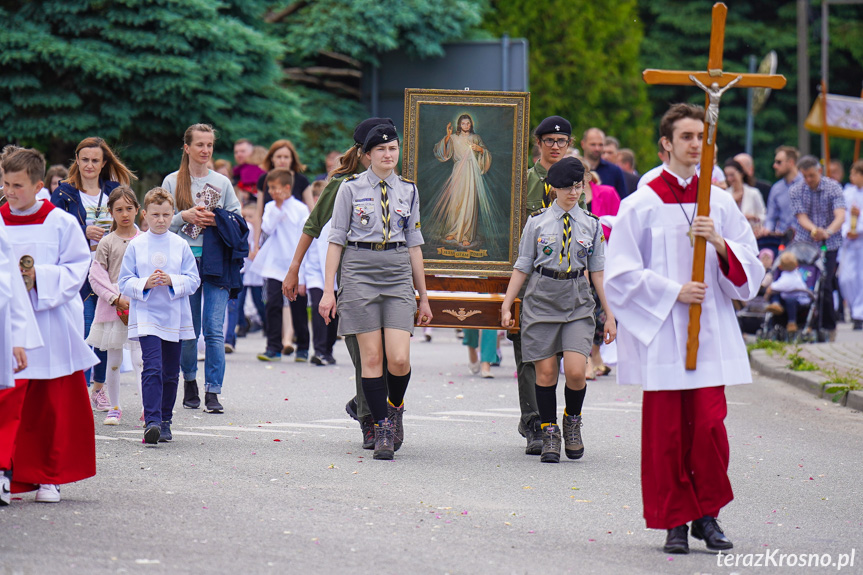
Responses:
[748,198]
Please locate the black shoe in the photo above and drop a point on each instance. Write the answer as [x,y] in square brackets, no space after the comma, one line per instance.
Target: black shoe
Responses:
[551,440]
[384,439]
[191,400]
[533,434]
[328,359]
[396,417]
[152,434]
[368,427]
[858,324]
[5,487]
[315,360]
[677,540]
[165,432]
[707,529]
[211,403]
[351,408]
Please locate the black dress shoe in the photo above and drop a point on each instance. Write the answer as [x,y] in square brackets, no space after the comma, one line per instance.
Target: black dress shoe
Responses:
[191,399]
[677,540]
[708,530]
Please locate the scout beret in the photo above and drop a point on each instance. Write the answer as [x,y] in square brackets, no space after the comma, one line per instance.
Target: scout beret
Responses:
[363,128]
[380,134]
[554,125]
[565,173]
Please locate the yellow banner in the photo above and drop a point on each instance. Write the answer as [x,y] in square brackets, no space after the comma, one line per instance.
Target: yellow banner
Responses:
[465,254]
[844,117]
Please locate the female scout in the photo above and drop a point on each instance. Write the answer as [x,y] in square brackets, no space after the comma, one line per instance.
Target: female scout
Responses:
[558,245]
[376,214]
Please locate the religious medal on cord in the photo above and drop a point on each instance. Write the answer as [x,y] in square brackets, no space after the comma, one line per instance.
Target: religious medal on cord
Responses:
[689,220]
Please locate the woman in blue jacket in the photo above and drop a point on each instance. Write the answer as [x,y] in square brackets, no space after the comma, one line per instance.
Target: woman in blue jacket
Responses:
[84,194]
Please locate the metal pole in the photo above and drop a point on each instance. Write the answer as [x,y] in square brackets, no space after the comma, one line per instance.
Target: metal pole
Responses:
[825,43]
[802,75]
[750,117]
[504,72]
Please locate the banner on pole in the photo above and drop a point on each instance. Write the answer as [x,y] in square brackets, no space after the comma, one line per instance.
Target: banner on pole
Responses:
[844,117]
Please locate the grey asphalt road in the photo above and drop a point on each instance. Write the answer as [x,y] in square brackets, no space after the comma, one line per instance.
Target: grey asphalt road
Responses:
[279,483]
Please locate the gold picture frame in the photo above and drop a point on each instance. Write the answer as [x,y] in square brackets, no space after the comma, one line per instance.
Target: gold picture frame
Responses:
[468,153]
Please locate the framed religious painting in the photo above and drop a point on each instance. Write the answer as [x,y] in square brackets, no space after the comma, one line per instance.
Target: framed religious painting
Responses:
[468,154]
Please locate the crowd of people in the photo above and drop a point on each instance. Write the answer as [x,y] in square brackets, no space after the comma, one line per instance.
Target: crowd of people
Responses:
[103,274]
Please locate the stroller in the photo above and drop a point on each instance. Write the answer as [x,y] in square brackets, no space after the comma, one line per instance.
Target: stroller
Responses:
[811,262]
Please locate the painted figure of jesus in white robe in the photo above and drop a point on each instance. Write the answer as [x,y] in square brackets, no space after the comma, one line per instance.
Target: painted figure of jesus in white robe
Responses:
[464,198]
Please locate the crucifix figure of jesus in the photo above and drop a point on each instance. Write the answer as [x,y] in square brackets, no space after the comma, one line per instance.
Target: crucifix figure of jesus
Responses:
[714,82]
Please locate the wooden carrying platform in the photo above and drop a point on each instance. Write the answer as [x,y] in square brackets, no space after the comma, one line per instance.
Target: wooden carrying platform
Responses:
[472,303]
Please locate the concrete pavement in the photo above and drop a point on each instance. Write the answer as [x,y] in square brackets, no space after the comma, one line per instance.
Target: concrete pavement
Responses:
[279,483]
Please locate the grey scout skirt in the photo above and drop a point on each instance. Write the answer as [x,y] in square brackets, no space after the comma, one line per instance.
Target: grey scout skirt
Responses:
[376,291]
[557,316]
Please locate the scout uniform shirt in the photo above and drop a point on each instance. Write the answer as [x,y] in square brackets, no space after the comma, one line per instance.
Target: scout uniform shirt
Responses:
[537,194]
[323,209]
[359,214]
[544,241]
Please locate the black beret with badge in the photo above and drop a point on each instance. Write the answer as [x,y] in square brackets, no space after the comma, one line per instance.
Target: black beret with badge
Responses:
[565,173]
[363,128]
[380,134]
[553,125]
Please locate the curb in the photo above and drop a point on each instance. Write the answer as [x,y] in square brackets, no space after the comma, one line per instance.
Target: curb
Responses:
[811,381]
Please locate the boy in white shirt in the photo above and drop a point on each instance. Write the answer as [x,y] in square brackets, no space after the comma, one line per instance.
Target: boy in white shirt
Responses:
[788,291]
[159,273]
[283,222]
[55,442]
[323,335]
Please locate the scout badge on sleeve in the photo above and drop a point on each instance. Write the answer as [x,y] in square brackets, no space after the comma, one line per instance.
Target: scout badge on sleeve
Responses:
[25,264]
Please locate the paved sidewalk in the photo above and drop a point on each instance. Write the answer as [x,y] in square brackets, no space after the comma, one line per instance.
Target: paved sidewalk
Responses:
[842,358]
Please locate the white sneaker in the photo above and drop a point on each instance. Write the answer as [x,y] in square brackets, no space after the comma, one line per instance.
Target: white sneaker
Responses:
[5,490]
[48,494]
[113,417]
[473,367]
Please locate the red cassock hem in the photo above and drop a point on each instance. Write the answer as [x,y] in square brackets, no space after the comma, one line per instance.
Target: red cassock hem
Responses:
[684,456]
[56,440]
[11,404]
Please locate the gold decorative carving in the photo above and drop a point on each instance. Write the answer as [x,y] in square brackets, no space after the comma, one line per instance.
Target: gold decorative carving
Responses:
[461,314]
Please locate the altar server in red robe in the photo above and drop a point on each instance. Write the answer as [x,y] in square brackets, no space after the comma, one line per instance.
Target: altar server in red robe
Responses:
[685,452]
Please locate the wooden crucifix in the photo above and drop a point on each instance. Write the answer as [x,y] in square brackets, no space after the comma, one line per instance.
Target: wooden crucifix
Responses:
[714,82]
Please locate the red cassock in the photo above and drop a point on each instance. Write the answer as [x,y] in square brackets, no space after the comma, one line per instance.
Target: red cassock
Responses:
[47,432]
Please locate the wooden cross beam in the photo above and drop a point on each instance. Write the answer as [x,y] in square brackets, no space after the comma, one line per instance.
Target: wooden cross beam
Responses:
[714,82]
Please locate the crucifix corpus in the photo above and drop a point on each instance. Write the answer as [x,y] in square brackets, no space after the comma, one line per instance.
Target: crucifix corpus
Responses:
[714,82]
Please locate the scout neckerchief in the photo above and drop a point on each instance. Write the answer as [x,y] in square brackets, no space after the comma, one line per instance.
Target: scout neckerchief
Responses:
[546,195]
[567,238]
[385,205]
[680,203]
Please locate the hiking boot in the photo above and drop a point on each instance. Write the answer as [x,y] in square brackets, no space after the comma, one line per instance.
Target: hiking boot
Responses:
[211,403]
[165,432]
[191,400]
[384,440]
[550,444]
[368,426]
[573,445]
[532,433]
[396,415]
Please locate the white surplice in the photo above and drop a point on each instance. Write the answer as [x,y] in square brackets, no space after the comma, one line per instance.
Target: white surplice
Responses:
[61,258]
[18,327]
[163,311]
[648,259]
[851,254]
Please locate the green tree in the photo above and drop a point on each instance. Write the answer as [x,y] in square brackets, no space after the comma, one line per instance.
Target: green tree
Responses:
[137,72]
[678,37]
[330,43]
[583,65]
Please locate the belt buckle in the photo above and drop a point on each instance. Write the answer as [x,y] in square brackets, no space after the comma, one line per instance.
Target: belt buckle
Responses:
[379,247]
[560,275]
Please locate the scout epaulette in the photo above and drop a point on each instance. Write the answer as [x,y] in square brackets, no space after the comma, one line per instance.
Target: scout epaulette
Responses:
[404,179]
[537,212]
[595,217]
[352,177]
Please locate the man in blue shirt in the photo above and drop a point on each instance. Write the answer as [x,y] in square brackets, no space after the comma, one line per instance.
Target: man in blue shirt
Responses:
[780,216]
[592,145]
[818,204]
